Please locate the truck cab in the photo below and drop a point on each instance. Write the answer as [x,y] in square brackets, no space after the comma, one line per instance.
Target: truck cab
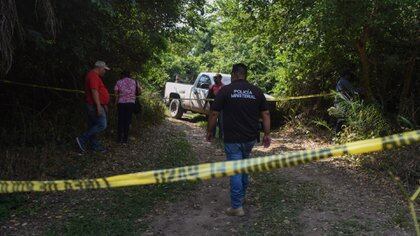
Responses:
[182,97]
[200,90]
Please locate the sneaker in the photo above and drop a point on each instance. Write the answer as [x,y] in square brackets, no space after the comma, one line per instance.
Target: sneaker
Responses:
[80,144]
[235,212]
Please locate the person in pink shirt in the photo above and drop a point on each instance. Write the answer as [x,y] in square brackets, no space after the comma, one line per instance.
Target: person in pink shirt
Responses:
[126,89]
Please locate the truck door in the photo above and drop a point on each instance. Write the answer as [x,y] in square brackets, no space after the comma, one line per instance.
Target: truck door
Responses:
[199,91]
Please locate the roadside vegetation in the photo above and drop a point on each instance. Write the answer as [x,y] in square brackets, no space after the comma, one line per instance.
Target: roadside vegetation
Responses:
[292,48]
[116,211]
[301,47]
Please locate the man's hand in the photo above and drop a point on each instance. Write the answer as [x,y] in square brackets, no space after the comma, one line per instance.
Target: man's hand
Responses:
[95,95]
[116,98]
[209,136]
[266,126]
[98,110]
[266,141]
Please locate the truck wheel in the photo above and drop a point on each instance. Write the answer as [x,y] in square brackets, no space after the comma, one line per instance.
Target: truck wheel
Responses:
[176,109]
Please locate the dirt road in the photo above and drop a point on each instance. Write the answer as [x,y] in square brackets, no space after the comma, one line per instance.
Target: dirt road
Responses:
[331,197]
[346,200]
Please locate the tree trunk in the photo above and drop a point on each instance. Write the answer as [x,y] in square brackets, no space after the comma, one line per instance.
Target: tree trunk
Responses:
[404,102]
[364,59]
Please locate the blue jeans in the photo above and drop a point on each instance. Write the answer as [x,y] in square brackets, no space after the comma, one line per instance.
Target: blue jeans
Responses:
[239,182]
[96,124]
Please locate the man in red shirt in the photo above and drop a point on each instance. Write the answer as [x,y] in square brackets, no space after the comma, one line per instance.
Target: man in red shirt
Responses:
[97,99]
[213,90]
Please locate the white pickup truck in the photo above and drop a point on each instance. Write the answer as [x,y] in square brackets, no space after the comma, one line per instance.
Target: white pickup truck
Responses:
[186,97]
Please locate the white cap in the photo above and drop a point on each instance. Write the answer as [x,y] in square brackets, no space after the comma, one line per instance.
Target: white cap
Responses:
[102,64]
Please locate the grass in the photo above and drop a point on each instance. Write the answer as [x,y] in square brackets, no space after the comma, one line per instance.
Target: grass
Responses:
[9,203]
[350,227]
[195,118]
[281,203]
[123,210]
[119,211]
[401,220]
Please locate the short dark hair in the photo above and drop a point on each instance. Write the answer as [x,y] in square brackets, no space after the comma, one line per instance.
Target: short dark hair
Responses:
[240,69]
[125,73]
[217,76]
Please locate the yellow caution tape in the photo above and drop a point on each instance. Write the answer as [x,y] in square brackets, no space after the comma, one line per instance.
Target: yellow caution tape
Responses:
[190,99]
[43,87]
[214,170]
[415,195]
[300,97]
[46,87]
[186,99]
[268,99]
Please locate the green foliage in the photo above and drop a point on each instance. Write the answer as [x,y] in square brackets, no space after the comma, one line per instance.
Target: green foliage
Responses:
[117,211]
[300,47]
[22,125]
[153,109]
[124,210]
[404,122]
[128,35]
[362,121]
[365,121]
[322,124]
[8,203]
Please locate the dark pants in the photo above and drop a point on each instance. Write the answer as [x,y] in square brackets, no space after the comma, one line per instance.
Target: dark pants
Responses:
[125,112]
[219,125]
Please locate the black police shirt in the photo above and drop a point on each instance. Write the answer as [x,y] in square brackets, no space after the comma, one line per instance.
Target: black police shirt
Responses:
[241,104]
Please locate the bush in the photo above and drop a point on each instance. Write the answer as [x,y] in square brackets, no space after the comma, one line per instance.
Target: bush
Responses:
[153,109]
[362,121]
[365,121]
[33,125]
[32,138]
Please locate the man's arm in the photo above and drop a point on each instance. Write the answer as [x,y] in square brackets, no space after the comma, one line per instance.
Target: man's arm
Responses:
[209,96]
[95,95]
[211,124]
[266,126]
[117,97]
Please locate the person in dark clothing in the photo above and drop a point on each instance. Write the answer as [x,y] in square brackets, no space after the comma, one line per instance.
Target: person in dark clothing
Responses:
[178,79]
[126,90]
[346,91]
[243,104]
[344,86]
[213,91]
